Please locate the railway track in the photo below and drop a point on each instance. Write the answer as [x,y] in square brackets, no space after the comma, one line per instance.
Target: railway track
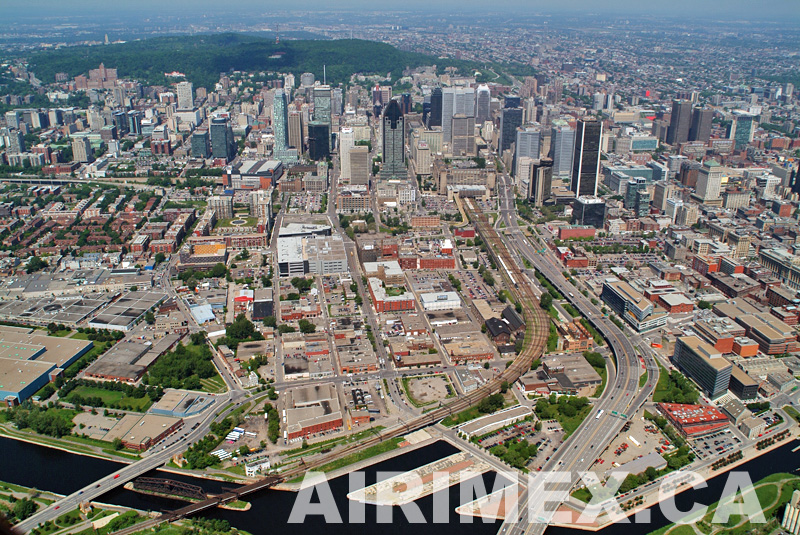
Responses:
[536,332]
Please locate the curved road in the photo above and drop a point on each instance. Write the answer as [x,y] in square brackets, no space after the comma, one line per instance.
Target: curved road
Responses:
[621,396]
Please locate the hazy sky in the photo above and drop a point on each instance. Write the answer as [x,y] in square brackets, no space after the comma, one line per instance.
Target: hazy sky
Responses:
[778,10]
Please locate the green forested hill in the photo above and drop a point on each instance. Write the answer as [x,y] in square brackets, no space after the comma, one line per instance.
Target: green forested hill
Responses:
[203,57]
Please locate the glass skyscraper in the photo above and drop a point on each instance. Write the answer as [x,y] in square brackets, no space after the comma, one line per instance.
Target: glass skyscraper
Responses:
[394,163]
[586,157]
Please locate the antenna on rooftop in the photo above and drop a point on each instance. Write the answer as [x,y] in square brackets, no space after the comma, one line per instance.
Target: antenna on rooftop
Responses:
[324,76]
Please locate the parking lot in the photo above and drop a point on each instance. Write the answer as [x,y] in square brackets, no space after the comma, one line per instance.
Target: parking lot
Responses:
[637,439]
[716,444]
[472,285]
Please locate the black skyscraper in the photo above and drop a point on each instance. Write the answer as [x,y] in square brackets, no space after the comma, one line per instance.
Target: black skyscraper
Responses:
[701,124]
[319,140]
[435,117]
[394,165]
[586,157]
[510,120]
[680,121]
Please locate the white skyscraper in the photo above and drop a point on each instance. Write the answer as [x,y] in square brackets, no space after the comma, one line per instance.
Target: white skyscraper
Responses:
[528,142]
[185,96]
[562,147]
[346,142]
[709,181]
[455,100]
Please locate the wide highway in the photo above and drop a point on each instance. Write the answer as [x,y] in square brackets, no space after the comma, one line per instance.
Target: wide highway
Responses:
[621,399]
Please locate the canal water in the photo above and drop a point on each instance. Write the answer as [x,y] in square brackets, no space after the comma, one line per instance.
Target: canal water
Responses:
[62,472]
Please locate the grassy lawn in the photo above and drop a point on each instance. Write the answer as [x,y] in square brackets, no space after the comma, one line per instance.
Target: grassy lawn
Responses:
[552,338]
[662,387]
[61,334]
[460,417]
[394,291]
[788,409]
[765,494]
[603,373]
[250,221]
[383,447]
[570,425]
[643,379]
[80,336]
[582,494]
[70,518]
[570,310]
[213,385]
[330,443]
[110,397]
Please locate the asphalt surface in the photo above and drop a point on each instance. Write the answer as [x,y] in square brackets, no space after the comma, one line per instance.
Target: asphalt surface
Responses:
[622,394]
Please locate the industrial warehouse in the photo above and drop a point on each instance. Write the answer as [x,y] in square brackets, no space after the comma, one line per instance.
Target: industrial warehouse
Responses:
[29,360]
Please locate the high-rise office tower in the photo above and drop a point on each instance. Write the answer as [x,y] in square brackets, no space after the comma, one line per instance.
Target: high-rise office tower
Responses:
[337,101]
[435,117]
[120,120]
[510,120]
[222,143]
[322,104]
[280,122]
[742,129]
[463,135]
[562,147]
[642,203]
[394,163]
[185,92]
[200,148]
[701,124]
[135,122]
[307,79]
[319,139]
[634,185]
[405,103]
[346,143]
[483,102]
[528,143]
[455,100]
[709,181]
[512,102]
[681,120]
[662,192]
[359,165]
[541,181]
[295,130]
[588,211]
[586,157]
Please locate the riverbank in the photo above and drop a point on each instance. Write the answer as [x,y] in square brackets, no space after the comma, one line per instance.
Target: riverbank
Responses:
[652,497]
[63,445]
[416,440]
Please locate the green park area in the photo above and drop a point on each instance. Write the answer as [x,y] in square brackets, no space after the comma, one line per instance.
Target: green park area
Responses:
[773,493]
[244,221]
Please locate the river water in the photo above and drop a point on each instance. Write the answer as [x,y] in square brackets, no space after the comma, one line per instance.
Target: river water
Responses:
[62,472]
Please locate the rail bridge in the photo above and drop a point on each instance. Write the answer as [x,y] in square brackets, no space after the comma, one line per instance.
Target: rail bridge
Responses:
[169,486]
